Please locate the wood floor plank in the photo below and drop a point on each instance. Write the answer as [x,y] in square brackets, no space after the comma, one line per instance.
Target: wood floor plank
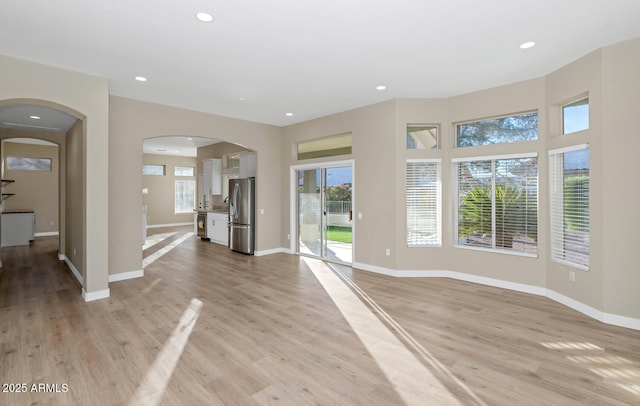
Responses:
[269,333]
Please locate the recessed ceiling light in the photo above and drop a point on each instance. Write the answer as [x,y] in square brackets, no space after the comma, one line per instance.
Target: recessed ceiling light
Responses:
[204,17]
[381,87]
[241,99]
[527,45]
[141,78]
[35,117]
[289,114]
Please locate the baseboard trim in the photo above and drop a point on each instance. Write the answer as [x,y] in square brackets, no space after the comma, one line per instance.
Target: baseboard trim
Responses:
[607,318]
[271,251]
[47,234]
[170,225]
[74,271]
[122,276]
[91,296]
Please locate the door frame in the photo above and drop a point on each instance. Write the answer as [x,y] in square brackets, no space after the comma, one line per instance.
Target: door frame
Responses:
[293,201]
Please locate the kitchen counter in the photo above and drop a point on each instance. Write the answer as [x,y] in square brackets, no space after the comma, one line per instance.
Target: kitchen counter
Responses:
[213,210]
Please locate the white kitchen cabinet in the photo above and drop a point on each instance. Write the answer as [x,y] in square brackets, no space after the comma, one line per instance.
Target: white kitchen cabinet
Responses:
[217,228]
[212,177]
[248,165]
[18,227]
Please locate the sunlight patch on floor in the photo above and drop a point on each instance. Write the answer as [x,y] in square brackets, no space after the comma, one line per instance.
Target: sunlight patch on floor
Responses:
[154,384]
[156,238]
[156,255]
[426,357]
[612,368]
[410,378]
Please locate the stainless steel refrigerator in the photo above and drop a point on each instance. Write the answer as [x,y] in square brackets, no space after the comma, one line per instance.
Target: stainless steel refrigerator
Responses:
[242,215]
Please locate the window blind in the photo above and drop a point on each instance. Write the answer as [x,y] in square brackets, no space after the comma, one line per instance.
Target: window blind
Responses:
[185,194]
[497,205]
[423,203]
[569,183]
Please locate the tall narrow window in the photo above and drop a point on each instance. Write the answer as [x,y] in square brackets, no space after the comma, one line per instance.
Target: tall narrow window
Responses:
[423,203]
[569,172]
[497,204]
[185,194]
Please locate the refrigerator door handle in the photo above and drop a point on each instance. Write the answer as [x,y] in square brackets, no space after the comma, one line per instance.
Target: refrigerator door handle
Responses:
[233,207]
[238,226]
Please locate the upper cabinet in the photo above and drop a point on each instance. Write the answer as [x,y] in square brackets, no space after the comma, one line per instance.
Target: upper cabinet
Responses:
[212,176]
[248,165]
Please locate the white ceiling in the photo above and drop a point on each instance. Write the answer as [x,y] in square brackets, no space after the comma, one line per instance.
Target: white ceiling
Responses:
[35,118]
[309,58]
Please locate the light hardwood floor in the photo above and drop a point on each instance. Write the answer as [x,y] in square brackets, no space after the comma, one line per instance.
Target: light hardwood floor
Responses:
[206,326]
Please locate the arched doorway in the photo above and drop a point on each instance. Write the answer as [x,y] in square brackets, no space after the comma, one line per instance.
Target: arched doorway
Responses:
[36,125]
[173,183]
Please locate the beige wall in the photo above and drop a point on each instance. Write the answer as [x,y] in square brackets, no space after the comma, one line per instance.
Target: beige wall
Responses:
[132,121]
[34,190]
[374,175]
[579,79]
[85,97]
[515,98]
[159,201]
[75,206]
[620,191]
[609,77]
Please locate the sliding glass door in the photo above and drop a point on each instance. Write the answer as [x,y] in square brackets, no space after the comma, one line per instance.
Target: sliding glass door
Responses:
[324,212]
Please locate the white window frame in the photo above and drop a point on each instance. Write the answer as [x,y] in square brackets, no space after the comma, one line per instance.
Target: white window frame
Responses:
[18,163]
[177,171]
[573,104]
[429,142]
[455,190]
[179,209]
[149,169]
[427,215]
[557,217]
[468,122]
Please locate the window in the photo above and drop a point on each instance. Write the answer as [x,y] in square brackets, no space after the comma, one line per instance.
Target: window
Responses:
[183,171]
[521,127]
[575,116]
[422,136]
[423,203]
[497,203]
[569,172]
[185,196]
[325,147]
[153,170]
[28,164]
[231,161]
